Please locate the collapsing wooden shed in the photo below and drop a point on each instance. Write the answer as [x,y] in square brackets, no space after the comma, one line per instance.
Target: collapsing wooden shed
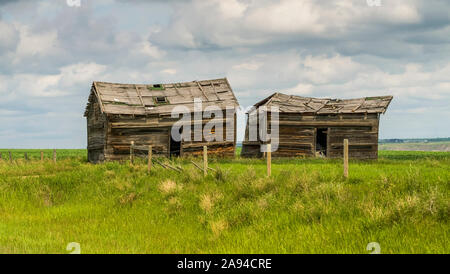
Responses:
[313,126]
[118,114]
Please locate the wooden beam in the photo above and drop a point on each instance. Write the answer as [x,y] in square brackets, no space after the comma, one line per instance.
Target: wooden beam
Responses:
[150,150]
[326,123]
[200,144]
[98,98]
[176,89]
[235,133]
[139,95]
[197,166]
[200,87]
[214,90]
[269,160]
[358,106]
[132,152]
[346,158]
[313,144]
[205,161]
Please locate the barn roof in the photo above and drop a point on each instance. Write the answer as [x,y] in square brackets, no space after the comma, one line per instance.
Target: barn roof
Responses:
[299,104]
[142,99]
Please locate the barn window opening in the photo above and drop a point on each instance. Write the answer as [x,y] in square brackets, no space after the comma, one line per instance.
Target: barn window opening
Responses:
[321,141]
[156,87]
[161,100]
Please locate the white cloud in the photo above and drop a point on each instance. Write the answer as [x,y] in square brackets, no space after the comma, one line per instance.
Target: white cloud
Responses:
[169,71]
[35,44]
[80,73]
[287,16]
[400,12]
[320,70]
[145,48]
[413,86]
[247,66]
[200,23]
[9,36]
[300,89]
[52,85]
[230,9]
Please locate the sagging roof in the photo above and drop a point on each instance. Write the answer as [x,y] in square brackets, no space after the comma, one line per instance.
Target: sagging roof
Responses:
[160,98]
[299,104]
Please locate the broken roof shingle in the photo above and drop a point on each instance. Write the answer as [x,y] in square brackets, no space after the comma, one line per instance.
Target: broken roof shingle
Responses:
[161,98]
[299,104]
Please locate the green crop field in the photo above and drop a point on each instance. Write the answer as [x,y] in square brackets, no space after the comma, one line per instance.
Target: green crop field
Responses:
[400,201]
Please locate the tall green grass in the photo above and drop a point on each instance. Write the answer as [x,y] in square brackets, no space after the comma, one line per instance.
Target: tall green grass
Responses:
[400,201]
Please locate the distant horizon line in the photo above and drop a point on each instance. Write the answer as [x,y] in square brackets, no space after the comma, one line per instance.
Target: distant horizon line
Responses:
[240,142]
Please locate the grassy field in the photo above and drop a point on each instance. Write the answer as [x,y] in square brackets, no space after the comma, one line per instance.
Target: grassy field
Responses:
[400,201]
[422,146]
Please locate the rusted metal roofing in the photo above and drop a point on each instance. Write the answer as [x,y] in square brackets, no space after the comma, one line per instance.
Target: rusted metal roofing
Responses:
[299,104]
[141,99]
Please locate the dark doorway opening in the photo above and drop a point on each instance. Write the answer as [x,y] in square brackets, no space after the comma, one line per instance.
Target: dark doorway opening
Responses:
[175,147]
[321,141]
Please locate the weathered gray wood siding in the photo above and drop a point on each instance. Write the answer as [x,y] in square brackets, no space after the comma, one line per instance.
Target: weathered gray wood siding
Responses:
[294,139]
[96,132]
[297,135]
[121,130]
[363,139]
[142,130]
[225,148]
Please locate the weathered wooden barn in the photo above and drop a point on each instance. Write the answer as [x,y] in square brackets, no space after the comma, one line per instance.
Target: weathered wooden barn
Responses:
[313,126]
[118,114]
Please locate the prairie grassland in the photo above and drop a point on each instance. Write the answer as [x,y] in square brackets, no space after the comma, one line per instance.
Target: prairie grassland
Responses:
[400,201]
[430,146]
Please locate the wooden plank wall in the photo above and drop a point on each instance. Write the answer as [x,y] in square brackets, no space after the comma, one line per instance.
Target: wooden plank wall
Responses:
[250,149]
[96,132]
[144,131]
[297,134]
[294,140]
[215,148]
[363,142]
[155,131]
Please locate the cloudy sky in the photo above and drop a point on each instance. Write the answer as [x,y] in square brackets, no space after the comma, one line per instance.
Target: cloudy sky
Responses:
[51,51]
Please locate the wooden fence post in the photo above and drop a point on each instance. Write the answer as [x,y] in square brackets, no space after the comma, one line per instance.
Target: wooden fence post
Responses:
[269,159]
[205,160]
[150,148]
[42,156]
[26,156]
[132,153]
[10,156]
[346,158]
[0,155]
[54,156]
